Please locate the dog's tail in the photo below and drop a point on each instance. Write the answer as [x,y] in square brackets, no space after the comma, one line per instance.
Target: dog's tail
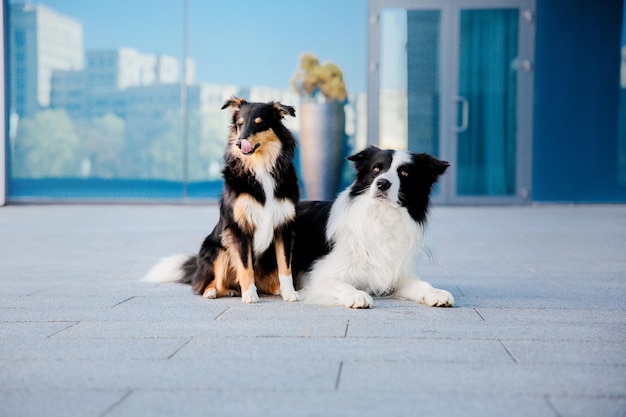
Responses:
[174,268]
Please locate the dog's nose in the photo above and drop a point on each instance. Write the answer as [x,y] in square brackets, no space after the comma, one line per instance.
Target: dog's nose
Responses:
[383,184]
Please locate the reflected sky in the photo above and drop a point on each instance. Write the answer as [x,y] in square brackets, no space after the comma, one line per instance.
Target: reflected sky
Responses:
[232,42]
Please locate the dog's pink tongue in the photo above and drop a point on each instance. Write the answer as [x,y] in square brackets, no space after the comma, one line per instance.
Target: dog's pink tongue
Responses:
[245,146]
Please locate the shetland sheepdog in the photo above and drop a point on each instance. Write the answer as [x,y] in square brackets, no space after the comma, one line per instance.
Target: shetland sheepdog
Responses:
[250,249]
[366,242]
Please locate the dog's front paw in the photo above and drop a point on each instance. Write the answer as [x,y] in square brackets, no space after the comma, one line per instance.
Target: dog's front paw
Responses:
[287,290]
[358,299]
[438,298]
[290,296]
[250,295]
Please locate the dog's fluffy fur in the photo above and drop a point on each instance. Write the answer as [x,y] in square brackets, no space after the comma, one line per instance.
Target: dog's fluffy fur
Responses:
[249,250]
[368,240]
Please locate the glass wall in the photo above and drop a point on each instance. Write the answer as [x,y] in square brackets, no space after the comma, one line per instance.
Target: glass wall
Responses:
[123,99]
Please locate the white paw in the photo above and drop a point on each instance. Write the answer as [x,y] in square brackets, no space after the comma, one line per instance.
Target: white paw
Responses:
[290,296]
[210,293]
[358,299]
[250,296]
[286,288]
[438,298]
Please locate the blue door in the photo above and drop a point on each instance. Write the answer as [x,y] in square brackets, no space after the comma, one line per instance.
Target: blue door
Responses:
[455,79]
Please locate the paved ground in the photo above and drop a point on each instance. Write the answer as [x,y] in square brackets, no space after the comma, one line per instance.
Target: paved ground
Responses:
[539,330]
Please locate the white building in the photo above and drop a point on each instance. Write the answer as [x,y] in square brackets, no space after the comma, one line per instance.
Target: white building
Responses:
[121,68]
[105,85]
[41,41]
[67,90]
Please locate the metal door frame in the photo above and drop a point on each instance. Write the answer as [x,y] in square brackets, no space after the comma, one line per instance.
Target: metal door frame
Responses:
[449,78]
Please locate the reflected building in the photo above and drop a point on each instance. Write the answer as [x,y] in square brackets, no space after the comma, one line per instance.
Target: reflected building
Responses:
[118,69]
[110,80]
[41,41]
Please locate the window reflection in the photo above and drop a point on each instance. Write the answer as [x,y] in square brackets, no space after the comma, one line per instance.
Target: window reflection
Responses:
[409,80]
[121,121]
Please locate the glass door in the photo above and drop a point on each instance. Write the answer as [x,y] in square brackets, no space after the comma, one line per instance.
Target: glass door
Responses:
[455,80]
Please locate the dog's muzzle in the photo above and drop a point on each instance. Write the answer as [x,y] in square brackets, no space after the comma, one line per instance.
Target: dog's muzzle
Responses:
[382,188]
[245,146]
[383,184]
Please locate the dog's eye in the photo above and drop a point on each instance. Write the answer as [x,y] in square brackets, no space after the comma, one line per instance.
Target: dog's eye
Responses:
[377,168]
[404,173]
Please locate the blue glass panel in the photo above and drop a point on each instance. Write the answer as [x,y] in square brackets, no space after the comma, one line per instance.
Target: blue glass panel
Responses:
[423,80]
[486,150]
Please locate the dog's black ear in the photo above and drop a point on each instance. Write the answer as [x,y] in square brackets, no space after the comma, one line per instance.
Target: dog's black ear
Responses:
[434,166]
[234,102]
[442,166]
[438,166]
[360,157]
[283,109]
[364,154]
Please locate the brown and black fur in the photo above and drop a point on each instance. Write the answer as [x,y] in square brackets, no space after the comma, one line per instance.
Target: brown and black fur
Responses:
[239,253]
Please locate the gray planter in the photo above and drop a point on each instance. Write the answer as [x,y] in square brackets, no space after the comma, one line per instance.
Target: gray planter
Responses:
[322,144]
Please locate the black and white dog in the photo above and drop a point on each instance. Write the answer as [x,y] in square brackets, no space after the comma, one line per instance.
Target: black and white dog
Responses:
[367,242]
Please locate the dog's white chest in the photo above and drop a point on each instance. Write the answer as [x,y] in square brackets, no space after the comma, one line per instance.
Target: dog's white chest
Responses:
[263,219]
[375,244]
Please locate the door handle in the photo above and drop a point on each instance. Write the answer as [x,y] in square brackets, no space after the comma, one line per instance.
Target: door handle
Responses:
[464,114]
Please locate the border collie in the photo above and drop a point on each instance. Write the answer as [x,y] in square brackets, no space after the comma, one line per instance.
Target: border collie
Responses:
[366,242]
[249,251]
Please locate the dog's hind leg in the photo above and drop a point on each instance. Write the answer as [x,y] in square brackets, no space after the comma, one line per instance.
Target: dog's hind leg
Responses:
[282,245]
[220,285]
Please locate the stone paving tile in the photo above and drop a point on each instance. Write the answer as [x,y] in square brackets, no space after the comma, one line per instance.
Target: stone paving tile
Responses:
[348,349]
[206,325]
[463,322]
[545,316]
[203,373]
[511,378]
[43,301]
[492,331]
[46,402]
[581,406]
[10,330]
[568,352]
[299,403]
[121,348]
